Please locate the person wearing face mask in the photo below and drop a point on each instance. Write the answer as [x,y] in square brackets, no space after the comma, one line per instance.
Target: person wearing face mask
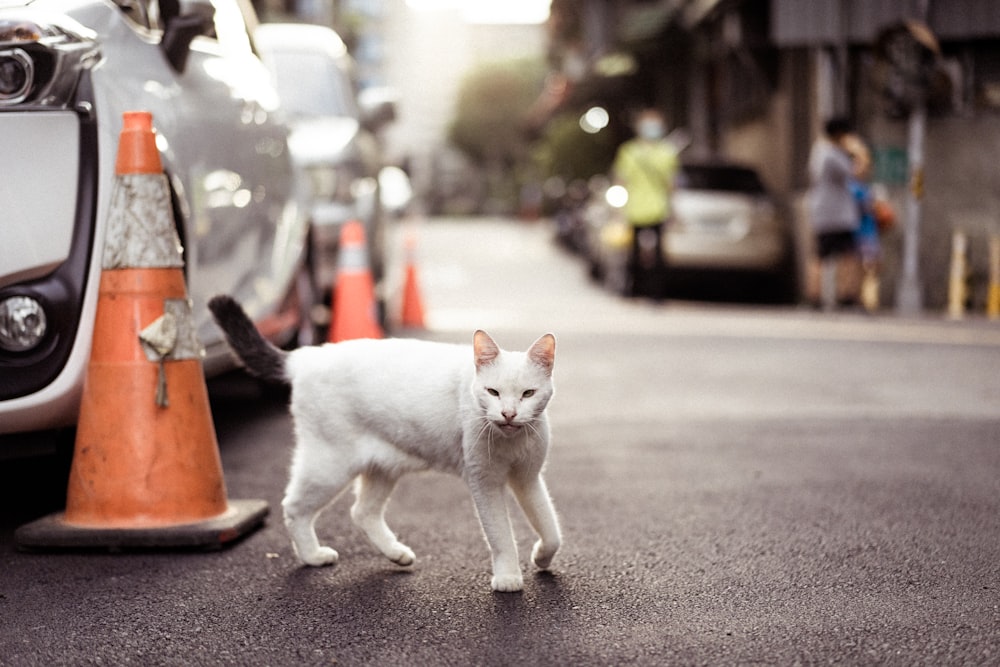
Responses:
[647,166]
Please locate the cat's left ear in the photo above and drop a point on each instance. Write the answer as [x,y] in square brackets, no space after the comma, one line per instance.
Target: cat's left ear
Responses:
[543,352]
[485,349]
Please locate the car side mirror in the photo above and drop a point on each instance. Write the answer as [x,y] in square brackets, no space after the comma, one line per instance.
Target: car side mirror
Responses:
[378,107]
[198,18]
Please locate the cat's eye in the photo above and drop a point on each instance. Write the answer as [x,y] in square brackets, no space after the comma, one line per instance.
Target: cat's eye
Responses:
[528,393]
[492,392]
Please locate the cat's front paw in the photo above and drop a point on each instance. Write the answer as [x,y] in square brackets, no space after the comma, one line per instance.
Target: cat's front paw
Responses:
[320,557]
[542,555]
[507,583]
[402,555]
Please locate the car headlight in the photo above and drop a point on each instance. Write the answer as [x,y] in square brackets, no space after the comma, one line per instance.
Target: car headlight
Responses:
[40,62]
[17,71]
[616,196]
[22,323]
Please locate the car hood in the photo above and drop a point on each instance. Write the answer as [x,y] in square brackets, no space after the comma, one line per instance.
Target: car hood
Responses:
[322,139]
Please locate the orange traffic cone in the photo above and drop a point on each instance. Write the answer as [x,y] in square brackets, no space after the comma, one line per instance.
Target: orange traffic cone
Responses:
[146,470]
[413,306]
[355,312]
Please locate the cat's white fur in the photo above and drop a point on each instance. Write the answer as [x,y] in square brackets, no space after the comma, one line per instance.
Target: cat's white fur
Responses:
[370,411]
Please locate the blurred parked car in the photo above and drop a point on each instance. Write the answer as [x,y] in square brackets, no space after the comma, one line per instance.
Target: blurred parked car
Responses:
[571,203]
[333,139]
[68,70]
[724,221]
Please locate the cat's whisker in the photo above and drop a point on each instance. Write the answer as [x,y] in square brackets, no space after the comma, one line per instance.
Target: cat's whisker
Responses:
[489,439]
[487,430]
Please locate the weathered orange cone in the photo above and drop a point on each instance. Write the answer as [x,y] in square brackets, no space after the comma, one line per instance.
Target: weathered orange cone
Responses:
[412,316]
[355,311]
[146,470]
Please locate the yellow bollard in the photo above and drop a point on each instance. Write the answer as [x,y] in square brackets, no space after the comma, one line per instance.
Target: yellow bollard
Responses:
[993,295]
[957,288]
[870,289]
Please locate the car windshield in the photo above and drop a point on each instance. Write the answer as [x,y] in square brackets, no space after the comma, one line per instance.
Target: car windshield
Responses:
[312,85]
[714,177]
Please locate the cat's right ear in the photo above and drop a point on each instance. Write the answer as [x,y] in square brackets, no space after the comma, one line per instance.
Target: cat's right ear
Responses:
[543,352]
[485,349]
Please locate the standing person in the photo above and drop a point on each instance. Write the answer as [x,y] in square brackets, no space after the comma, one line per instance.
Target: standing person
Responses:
[834,271]
[647,166]
[867,234]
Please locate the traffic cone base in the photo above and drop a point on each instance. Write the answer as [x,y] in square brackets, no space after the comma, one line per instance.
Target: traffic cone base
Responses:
[146,470]
[54,532]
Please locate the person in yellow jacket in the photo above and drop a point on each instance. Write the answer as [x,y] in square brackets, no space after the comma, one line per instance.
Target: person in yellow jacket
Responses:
[647,167]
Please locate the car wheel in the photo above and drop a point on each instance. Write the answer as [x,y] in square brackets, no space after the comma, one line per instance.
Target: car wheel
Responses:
[782,284]
[307,297]
[314,311]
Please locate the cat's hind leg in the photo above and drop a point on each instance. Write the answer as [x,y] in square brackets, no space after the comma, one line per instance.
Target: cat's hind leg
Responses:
[309,491]
[373,489]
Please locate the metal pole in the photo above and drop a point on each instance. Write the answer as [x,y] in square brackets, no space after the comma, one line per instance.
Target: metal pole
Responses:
[909,295]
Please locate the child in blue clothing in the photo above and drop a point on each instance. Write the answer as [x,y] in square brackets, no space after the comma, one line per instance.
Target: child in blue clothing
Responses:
[867,234]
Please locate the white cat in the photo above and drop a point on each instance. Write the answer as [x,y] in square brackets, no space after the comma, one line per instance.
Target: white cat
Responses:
[373,410]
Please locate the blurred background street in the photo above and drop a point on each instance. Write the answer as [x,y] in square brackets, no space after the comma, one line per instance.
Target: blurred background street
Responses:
[737,485]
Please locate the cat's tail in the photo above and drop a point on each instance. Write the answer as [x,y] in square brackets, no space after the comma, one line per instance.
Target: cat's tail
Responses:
[260,357]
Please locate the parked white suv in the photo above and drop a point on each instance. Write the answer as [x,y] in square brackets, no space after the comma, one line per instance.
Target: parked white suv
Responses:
[68,70]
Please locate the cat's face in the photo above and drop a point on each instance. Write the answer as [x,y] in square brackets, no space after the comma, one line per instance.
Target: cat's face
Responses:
[513,388]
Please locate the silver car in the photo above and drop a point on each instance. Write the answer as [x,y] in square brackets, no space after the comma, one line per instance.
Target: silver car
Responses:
[68,70]
[724,221]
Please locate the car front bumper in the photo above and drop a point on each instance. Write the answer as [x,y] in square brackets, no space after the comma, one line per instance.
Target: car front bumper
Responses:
[46,255]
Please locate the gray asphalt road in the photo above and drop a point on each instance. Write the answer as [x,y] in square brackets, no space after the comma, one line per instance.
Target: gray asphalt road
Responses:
[737,486]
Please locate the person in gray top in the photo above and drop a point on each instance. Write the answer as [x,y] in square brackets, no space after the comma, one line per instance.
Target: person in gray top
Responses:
[835,269]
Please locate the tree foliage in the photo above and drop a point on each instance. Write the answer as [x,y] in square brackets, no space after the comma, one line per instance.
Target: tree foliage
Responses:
[489,129]
[492,102]
[567,152]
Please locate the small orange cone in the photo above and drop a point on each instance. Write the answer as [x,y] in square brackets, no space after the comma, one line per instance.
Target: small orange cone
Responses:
[146,470]
[413,306]
[355,312]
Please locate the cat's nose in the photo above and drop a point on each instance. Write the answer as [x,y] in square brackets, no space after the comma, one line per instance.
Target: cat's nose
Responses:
[509,415]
